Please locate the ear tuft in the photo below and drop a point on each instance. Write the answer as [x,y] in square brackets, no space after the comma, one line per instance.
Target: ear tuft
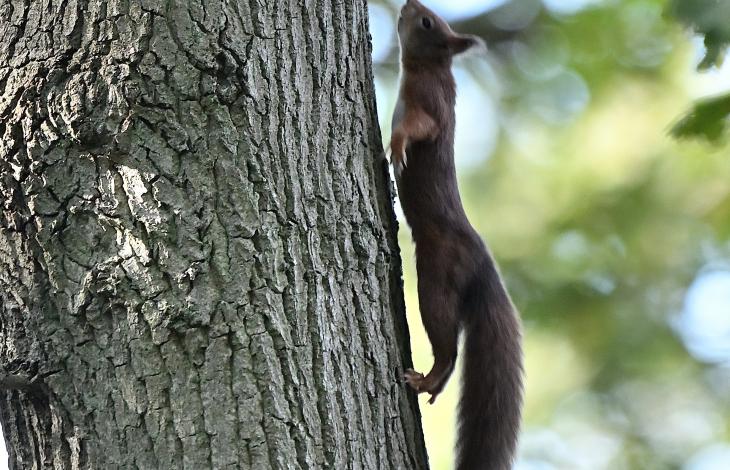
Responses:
[463,42]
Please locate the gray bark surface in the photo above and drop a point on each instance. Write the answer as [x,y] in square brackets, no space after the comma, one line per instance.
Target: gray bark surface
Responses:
[198,262]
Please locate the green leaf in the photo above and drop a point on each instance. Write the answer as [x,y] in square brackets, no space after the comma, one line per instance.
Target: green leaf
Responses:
[709,18]
[708,118]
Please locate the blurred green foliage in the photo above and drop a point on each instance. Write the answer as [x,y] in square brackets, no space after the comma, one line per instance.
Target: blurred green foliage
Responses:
[604,226]
[711,20]
[708,118]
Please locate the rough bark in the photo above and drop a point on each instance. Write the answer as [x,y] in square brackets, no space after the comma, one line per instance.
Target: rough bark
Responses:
[198,263]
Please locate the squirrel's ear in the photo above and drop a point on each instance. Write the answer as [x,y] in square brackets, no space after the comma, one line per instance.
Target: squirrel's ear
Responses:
[463,42]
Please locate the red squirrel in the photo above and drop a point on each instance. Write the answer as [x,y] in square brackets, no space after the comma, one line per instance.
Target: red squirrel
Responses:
[459,287]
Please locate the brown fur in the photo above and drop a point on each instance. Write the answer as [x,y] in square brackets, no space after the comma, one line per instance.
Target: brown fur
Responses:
[458,284]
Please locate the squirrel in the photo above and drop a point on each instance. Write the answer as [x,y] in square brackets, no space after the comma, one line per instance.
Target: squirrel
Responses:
[459,286]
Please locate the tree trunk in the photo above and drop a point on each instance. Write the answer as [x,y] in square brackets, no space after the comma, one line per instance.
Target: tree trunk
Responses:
[198,262]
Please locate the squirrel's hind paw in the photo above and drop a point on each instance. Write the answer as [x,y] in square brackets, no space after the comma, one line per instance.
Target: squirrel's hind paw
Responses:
[414,379]
[421,384]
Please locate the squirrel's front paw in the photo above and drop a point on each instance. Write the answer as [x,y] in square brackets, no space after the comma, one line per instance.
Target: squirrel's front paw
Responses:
[398,160]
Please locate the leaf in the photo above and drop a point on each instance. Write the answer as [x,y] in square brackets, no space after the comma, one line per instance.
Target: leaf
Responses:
[708,18]
[708,118]
[711,19]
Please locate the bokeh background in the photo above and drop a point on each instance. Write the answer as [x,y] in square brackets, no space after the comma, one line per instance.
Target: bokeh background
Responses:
[613,236]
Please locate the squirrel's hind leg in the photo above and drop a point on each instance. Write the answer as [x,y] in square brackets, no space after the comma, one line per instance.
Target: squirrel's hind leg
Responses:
[438,313]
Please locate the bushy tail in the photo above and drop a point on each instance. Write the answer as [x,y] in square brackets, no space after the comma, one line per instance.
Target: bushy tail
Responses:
[491,396]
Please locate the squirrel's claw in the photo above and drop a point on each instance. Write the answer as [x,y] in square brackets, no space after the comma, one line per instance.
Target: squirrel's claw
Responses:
[398,167]
[398,160]
[414,379]
[421,384]
[399,163]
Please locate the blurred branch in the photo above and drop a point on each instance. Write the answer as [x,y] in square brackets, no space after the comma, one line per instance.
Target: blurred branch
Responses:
[484,28]
[480,26]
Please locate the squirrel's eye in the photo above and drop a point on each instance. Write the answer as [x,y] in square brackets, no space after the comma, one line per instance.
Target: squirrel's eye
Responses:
[426,22]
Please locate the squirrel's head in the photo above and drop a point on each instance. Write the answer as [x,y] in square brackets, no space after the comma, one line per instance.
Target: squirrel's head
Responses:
[425,37]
